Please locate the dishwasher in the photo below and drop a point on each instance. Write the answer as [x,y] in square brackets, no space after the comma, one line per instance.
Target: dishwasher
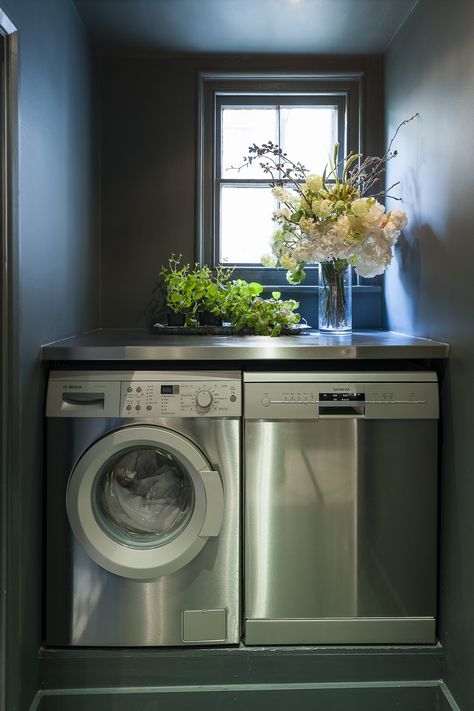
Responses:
[340,507]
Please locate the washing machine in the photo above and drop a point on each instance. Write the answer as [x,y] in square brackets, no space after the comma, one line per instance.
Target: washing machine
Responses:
[143,508]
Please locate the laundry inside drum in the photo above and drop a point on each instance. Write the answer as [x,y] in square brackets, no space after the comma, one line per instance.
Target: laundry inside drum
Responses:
[143,497]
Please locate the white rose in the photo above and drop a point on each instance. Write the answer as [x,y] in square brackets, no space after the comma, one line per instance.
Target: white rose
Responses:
[391,232]
[375,214]
[398,218]
[366,216]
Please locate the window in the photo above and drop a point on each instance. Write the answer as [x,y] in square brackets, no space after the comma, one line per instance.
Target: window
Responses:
[305,116]
[307,129]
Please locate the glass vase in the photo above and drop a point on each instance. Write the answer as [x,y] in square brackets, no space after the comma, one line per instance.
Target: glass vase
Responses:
[335,296]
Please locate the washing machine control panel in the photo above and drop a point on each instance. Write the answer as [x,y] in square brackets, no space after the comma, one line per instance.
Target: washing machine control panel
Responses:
[181,399]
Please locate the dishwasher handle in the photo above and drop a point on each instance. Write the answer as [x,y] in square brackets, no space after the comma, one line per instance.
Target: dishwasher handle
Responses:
[342,409]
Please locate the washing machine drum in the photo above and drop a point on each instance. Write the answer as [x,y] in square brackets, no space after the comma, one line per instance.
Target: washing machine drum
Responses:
[143,501]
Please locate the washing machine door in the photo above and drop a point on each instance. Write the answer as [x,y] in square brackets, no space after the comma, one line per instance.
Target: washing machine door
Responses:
[142,502]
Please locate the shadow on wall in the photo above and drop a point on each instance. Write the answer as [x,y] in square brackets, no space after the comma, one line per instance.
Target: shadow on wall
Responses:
[421,273]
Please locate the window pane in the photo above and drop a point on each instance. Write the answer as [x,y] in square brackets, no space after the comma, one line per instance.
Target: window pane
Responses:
[240,129]
[308,135]
[246,227]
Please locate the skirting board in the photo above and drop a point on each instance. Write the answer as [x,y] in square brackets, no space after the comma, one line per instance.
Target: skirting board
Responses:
[363,696]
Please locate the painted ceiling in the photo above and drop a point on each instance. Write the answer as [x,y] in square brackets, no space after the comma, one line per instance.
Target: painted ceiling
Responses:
[246,26]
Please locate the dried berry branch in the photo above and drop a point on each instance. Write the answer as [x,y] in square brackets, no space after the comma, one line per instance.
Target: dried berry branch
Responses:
[362,179]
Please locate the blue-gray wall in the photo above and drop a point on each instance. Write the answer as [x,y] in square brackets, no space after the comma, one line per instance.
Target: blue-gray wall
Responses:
[148,109]
[430,70]
[58,281]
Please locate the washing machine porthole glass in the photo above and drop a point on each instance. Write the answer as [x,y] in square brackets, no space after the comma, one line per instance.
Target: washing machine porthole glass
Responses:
[143,497]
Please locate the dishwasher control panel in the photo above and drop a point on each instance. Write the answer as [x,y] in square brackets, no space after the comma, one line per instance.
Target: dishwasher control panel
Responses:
[380,399]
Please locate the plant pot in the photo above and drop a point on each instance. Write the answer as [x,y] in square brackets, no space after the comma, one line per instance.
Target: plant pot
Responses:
[206,318]
[175,319]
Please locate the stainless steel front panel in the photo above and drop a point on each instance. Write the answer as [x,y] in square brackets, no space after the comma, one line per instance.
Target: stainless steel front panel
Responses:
[340,521]
[86,605]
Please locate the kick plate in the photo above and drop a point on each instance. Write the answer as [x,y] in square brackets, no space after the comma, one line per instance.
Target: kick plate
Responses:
[360,630]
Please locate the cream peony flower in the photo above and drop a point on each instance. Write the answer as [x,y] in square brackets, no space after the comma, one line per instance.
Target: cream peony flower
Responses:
[284,213]
[306,224]
[269,260]
[398,218]
[374,254]
[281,194]
[322,208]
[314,182]
[287,261]
[360,207]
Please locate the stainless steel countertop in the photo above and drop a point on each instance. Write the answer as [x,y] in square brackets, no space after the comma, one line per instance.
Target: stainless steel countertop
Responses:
[141,345]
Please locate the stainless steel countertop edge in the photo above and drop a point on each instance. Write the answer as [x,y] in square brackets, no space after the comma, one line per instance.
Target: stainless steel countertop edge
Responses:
[141,345]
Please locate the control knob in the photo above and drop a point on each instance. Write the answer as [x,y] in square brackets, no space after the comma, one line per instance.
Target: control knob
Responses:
[204,399]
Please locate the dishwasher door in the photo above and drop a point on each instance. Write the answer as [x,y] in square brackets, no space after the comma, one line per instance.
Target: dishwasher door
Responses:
[340,512]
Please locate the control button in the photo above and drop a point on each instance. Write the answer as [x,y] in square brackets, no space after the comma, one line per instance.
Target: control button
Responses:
[204,399]
[148,407]
[138,407]
[139,390]
[129,389]
[266,402]
[129,407]
[233,398]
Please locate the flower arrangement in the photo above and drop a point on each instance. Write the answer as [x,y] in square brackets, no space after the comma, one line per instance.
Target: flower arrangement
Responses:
[334,219]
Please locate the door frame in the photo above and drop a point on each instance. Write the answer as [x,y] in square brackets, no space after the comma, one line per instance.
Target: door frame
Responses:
[9,330]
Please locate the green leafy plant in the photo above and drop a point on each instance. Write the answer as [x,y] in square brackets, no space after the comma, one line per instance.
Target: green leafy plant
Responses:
[186,287]
[215,297]
[267,317]
[238,299]
[189,290]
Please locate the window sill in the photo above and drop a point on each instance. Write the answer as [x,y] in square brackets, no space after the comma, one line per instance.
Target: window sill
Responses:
[313,289]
